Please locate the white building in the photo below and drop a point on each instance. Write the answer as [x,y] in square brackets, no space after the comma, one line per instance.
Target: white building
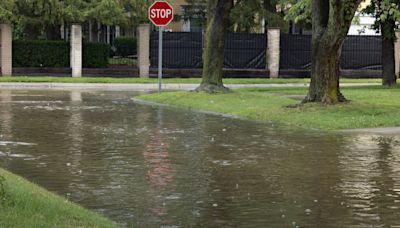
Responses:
[363,25]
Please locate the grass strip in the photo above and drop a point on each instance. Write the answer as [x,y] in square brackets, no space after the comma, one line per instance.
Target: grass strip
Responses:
[28,205]
[370,107]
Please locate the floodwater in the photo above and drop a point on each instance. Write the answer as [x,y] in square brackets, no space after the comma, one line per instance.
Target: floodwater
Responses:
[145,166]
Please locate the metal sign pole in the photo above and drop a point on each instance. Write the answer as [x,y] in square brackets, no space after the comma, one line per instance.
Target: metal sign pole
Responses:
[160,57]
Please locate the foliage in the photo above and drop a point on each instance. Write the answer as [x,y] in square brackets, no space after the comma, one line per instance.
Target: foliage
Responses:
[36,16]
[384,10]
[75,11]
[196,11]
[136,11]
[6,10]
[95,55]
[125,46]
[247,15]
[40,53]
[39,11]
[108,12]
[300,11]
[36,53]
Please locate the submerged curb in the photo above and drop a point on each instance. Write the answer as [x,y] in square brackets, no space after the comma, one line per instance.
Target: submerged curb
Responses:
[151,103]
[387,130]
[148,87]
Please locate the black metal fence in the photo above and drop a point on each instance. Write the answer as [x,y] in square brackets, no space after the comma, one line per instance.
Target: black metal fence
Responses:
[295,52]
[358,53]
[362,53]
[184,50]
[180,49]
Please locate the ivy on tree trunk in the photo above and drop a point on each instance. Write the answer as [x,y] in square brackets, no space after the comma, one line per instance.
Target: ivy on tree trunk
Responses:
[214,45]
[331,20]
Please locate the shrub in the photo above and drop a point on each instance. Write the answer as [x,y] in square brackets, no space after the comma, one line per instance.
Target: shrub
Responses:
[95,55]
[43,53]
[40,53]
[125,46]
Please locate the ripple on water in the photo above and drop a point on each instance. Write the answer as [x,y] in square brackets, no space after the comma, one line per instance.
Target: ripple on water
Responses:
[6,143]
[23,156]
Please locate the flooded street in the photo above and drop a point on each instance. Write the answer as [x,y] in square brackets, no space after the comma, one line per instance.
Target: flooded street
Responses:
[145,166]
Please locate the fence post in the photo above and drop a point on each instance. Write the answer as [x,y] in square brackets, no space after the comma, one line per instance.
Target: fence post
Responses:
[144,50]
[76,50]
[397,53]
[273,52]
[6,49]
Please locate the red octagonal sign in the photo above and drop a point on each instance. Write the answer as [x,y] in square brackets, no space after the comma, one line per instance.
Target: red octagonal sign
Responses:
[161,13]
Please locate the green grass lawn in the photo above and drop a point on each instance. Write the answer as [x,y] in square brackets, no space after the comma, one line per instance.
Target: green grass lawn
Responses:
[170,80]
[27,205]
[370,107]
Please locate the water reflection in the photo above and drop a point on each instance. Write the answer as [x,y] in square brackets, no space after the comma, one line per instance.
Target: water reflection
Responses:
[370,179]
[5,115]
[150,167]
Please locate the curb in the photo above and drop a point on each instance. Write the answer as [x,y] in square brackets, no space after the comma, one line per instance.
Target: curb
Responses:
[148,87]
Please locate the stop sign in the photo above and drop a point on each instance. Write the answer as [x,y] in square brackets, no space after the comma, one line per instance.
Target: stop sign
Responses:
[161,13]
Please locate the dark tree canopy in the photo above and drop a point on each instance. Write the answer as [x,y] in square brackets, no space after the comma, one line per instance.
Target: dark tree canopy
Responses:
[34,16]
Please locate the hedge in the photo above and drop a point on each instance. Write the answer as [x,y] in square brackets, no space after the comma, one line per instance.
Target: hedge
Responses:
[41,53]
[125,46]
[38,53]
[95,55]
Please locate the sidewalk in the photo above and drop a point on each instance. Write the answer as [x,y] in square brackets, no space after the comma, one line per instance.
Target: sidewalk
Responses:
[147,87]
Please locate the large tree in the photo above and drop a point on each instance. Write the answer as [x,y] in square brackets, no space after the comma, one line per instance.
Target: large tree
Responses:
[386,12]
[214,47]
[331,20]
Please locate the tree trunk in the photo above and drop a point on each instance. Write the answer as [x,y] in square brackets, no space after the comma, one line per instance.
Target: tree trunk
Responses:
[331,21]
[325,69]
[214,47]
[388,59]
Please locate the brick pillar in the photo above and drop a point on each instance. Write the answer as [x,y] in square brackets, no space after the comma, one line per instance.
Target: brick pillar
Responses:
[397,53]
[144,50]
[76,50]
[273,52]
[6,49]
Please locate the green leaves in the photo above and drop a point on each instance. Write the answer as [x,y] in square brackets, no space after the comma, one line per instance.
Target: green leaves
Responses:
[6,10]
[386,12]
[52,12]
[246,15]
[300,11]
